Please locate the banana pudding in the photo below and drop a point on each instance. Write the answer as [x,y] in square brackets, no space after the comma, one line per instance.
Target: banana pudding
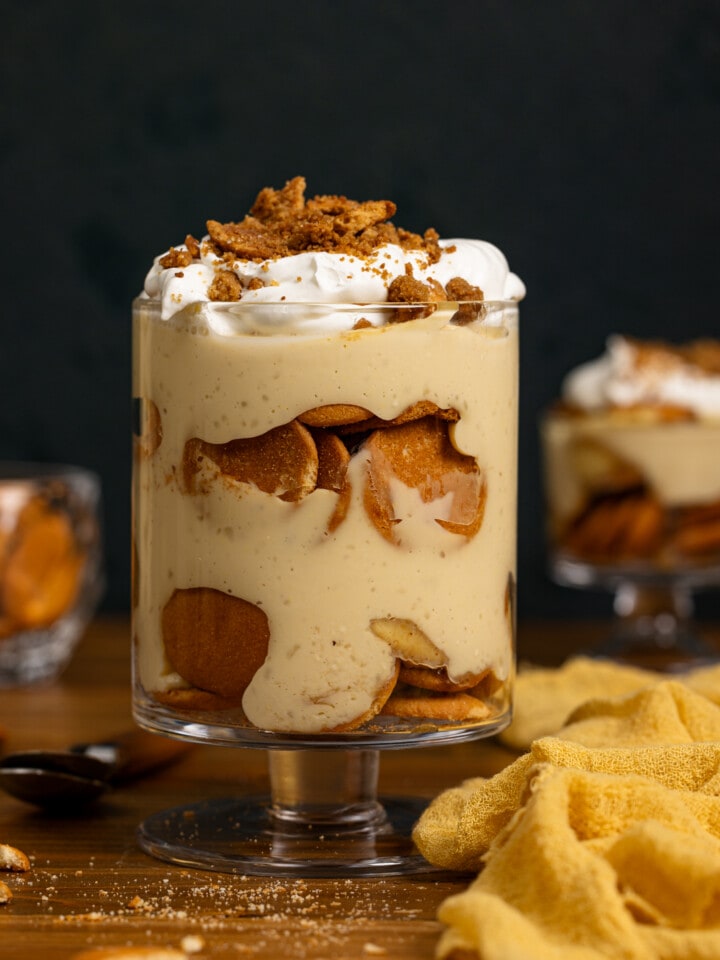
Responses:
[632,457]
[325,474]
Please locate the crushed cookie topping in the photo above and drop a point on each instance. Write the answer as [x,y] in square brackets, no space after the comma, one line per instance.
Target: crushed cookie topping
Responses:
[283,223]
[226,287]
[176,258]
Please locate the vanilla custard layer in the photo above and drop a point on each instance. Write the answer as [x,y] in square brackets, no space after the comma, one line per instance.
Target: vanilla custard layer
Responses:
[320,591]
[679,461]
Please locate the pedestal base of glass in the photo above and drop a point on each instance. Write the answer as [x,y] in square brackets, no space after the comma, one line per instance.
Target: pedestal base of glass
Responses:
[322,818]
[653,625]
[340,831]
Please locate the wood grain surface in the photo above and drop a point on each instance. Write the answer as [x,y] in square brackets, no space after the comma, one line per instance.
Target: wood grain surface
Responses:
[91,886]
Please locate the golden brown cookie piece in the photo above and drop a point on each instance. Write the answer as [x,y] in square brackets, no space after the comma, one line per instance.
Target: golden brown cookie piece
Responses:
[226,287]
[333,460]
[469,297]
[214,641]
[176,258]
[376,707]
[417,410]
[42,567]
[457,707]
[407,641]
[437,679]
[696,530]
[407,289]
[423,408]
[282,462]
[191,698]
[341,507]
[614,527]
[420,455]
[13,859]
[334,415]
[698,539]
[149,429]
[282,223]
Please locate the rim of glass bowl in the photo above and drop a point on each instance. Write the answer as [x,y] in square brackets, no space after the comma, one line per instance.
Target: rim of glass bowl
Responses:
[17,470]
[373,306]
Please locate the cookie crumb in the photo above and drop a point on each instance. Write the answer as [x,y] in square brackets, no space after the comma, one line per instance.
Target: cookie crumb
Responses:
[176,258]
[192,943]
[226,287]
[13,859]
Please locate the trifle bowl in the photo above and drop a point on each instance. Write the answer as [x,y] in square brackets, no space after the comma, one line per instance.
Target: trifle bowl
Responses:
[324,520]
[632,479]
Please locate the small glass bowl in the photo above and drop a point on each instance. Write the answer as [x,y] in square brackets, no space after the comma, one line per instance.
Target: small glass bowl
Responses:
[50,567]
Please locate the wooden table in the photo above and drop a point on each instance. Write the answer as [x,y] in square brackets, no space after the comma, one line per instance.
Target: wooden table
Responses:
[90,885]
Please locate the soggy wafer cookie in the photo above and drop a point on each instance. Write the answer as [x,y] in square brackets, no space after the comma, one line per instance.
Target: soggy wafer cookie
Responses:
[624,526]
[333,460]
[420,455]
[698,539]
[235,636]
[149,429]
[437,679]
[424,408]
[334,415]
[416,411]
[697,529]
[407,641]
[376,707]
[192,698]
[457,707]
[282,462]
[42,567]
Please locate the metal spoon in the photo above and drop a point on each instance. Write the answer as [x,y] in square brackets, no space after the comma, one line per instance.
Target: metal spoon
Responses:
[63,778]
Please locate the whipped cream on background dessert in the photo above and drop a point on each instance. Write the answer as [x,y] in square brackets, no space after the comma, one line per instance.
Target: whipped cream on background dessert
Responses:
[231,370]
[630,374]
[642,420]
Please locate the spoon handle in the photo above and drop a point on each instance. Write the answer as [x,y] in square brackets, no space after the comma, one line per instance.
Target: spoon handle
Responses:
[134,753]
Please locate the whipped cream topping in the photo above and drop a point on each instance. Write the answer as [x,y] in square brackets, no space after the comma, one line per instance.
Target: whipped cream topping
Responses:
[630,374]
[323,277]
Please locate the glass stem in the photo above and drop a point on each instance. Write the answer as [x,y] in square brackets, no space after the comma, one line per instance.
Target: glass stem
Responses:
[325,789]
[660,615]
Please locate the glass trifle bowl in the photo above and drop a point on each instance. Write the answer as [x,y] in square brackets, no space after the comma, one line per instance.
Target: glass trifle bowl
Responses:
[324,545]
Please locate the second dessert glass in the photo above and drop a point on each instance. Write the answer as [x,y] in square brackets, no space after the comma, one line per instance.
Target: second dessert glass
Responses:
[324,563]
[51,577]
[634,508]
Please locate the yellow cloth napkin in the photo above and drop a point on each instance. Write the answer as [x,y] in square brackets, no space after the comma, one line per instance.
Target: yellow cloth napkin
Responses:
[603,841]
[545,698]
